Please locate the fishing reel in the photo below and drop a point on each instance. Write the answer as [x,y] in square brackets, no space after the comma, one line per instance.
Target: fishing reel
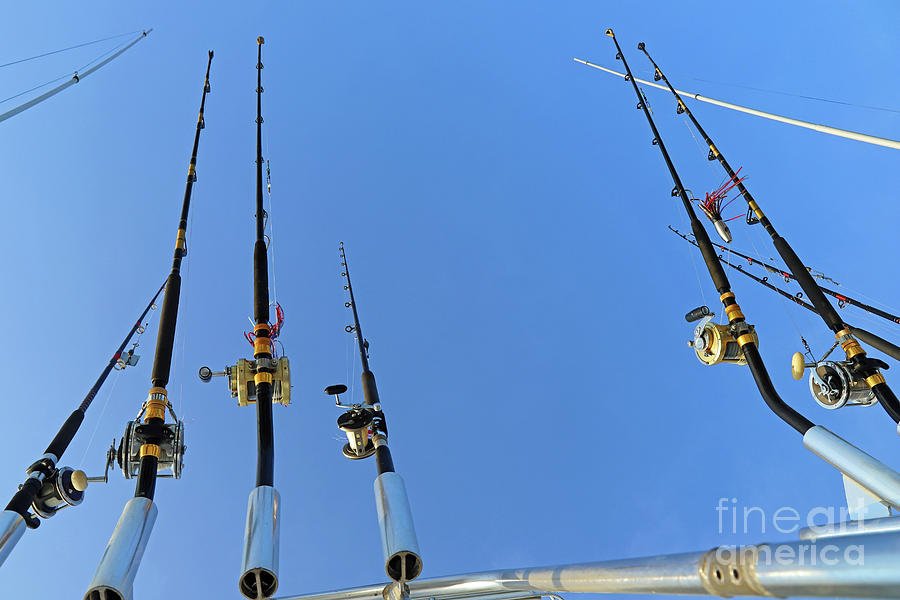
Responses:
[241,379]
[361,423]
[64,487]
[168,436]
[715,343]
[171,449]
[834,384]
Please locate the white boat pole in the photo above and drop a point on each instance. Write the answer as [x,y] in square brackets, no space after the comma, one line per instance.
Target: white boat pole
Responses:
[75,79]
[844,133]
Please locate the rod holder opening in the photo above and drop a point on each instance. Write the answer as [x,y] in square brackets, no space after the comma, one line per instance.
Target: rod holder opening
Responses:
[395,523]
[259,563]
[119,564]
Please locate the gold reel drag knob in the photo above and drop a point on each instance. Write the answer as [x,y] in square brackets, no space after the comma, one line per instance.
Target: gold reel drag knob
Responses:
[797,365]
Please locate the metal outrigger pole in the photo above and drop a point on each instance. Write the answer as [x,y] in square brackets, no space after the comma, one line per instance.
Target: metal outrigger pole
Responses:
[151,445]
[50,488]
[263,381]
[857,365]
[367,435]
[75,79]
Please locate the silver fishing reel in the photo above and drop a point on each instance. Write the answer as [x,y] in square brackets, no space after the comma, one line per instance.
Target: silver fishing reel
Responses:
[65,487]
[241,380]
[170,439]
[832,383]
[360,423]
[714,343]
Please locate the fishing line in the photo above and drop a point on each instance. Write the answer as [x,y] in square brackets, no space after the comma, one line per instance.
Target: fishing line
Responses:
[768,91]
[61,77]
[784,305]
[186,302]
[100,418]
[112,37]
[37,87]
[104,55]
[699,147]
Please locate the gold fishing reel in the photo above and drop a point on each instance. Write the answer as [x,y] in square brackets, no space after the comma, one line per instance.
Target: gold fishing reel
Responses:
[241,380]
[714,343]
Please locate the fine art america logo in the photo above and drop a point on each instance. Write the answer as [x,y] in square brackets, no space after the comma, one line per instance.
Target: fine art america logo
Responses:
[734,519]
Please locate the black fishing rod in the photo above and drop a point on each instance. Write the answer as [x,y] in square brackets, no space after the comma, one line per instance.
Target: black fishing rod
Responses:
[263,380]
[262,347]
[864,368]
[151,446]
[877,342]
[738,328]
[841,298]
[367,435]
[50,488]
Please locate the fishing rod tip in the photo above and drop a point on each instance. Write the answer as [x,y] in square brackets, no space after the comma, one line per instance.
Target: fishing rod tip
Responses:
[610,33]
[640,45]
[260,40]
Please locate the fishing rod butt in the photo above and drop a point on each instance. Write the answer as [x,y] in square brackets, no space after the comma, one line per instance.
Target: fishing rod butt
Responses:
[118,567]
[259,563]
[395,523]
[12,528]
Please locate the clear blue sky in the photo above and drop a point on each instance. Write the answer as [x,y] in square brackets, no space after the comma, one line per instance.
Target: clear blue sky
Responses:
[505,218]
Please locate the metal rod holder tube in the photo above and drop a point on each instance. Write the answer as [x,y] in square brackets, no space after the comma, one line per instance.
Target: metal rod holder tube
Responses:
[395,523]
[842,528]
[12,527]
[118,567]
[855,464]
[781,570]
[259,563]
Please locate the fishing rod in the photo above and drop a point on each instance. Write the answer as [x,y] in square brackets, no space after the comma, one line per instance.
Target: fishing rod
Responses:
[367,434]
[77,77]
[737,341]
[863,368]
[264,380]
[844,133]
[841,298]
[830,382]
[151,446]
[50,488]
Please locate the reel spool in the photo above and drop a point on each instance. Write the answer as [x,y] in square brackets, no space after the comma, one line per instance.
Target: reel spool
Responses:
[714,343]
[171,456]
[64,488]
[359,423]
[242,385]
[832,383]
